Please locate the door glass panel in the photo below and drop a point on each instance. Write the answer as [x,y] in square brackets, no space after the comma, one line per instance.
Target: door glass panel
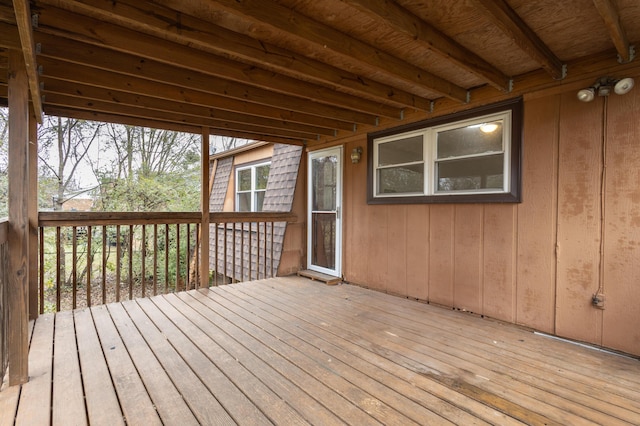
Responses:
[324,240]
[324,175]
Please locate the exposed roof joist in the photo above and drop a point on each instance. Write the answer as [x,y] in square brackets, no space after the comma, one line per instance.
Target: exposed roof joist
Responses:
[609,13]
[287,28]
[205,36]
[508,21]
[430,38]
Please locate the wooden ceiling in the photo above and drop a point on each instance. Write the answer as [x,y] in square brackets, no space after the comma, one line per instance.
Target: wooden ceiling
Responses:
[300,71]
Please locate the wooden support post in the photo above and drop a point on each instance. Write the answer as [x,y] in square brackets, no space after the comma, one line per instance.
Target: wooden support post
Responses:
[33,217]
[18,295]
[205,195]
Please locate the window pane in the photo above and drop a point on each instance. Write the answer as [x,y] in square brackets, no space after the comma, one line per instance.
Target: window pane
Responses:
[470,140]
[262,174]
[260,200]
[471,173]
[324,175]
[244,180]
[244,202]
[401,151]
[401,179]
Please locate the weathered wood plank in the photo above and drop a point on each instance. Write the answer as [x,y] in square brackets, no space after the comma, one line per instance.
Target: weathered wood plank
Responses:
[68,405]
[234,402]
[36,393]
[166,398]
[200,399]
[265,370]
[103,407]
[402,396]
[134,399]
[363,401]
[468,337]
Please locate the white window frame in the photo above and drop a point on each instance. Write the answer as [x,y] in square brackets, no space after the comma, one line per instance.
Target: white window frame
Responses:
[510,114]
[253,191]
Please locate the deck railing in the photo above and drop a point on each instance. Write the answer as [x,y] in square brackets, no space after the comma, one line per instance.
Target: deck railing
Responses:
[93,258]
[4,253]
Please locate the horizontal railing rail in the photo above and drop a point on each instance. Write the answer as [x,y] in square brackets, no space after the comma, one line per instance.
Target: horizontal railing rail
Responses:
[89,258]
[4,328]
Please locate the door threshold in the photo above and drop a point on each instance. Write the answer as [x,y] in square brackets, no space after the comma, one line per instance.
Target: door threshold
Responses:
[319,276]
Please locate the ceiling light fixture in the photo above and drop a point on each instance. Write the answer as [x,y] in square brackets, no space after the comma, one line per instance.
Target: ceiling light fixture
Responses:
[488,127]
[603,87]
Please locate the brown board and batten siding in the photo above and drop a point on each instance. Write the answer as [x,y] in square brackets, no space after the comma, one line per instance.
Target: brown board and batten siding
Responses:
[536,263]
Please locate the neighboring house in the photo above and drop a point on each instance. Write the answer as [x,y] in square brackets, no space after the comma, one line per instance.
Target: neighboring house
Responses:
[254,178]
[78,204]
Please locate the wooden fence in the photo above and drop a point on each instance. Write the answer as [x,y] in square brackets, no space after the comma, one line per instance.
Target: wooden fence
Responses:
[93,258]
[4,328]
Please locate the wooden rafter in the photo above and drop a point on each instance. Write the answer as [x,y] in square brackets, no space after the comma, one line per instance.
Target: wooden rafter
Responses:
[244,78]
[204,36]
[268,17]
[111,81]
[511,24]
[405,22]
[23,21]
[141,75]
[609,13]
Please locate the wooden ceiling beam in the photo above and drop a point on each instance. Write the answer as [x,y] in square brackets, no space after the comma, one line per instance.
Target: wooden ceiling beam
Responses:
[195,33]
[266,19]
[505,18]
[23,21]
[83,75]
[609,13]
[137,71]
[245,77]
[403,21]
[133,121]
[93,93]
[75,103]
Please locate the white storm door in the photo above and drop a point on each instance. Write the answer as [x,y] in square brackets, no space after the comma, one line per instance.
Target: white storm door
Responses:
[324,238]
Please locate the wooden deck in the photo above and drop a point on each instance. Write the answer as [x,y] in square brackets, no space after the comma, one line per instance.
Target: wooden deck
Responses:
[293,351]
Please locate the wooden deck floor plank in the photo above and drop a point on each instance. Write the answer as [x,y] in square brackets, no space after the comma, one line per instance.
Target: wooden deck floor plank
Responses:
[570,401]
[166,398]
[510,349]
[535,372]
[102,403]
[134,399]
[310,409]
[239,407]
[365,395]
[376,355]
[36,393]
[68,396]
[10,395]
[475,380]
[457,407]
[414,403]
[202,403]
[603,406]
[270,403]
[561,353]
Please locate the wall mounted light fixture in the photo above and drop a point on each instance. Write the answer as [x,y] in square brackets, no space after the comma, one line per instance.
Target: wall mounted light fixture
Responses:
[603,87]
[356,154]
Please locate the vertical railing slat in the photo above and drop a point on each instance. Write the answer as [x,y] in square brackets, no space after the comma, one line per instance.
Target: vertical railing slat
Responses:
[89,263]
[118,259]
[144,260]
[74,266]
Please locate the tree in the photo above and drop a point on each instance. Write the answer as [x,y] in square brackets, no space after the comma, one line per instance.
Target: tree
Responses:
[64,145]
[150,170]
